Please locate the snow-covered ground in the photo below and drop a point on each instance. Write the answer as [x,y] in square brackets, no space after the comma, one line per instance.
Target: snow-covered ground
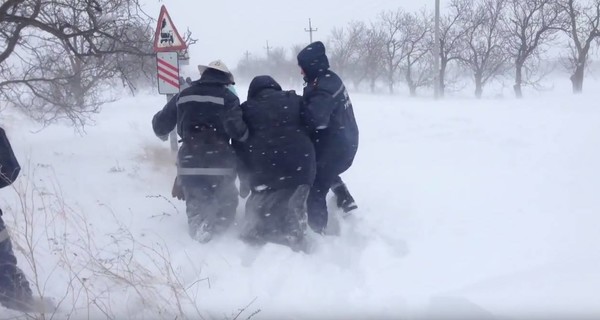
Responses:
[467,210]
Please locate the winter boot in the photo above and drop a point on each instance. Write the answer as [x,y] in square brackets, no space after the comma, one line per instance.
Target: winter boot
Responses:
[344,199]
[201,231]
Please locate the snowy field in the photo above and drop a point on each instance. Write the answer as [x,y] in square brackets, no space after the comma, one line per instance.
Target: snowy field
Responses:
[467,210]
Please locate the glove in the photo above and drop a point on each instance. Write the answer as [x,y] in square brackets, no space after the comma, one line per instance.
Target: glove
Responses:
[164,137]
[177,191]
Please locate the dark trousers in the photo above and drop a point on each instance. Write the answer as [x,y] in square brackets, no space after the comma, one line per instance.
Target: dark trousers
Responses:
[14,287]
[327,176]
[211,202]
[277,216]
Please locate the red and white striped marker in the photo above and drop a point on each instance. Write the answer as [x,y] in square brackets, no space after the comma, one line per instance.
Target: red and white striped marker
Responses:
[168,72]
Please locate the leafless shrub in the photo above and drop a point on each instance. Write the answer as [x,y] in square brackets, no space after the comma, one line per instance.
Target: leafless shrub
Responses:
[94,271]
[58,58]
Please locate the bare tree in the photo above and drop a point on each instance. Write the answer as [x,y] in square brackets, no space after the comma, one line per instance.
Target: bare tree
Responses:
[63,53]
[280,67]
[416,48]
[248,67]
[531,25]
[370,63]
[283,69]
[582,27]
[344,47]
[485,40]
[391,26]
[452,34]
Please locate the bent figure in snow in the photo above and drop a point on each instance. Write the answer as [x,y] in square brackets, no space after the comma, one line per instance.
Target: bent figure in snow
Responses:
[329,114]
[207,115]
[279,165]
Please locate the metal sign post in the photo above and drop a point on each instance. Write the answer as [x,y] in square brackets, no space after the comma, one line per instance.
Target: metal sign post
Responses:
[167,42]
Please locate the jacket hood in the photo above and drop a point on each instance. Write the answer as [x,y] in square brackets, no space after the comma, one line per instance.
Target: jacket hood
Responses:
[313,60]
[260,83]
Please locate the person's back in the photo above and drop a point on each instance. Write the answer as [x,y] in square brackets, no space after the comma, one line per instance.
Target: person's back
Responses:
[201,111]
[207,115]
[280,150]
[280,161]
[334,125]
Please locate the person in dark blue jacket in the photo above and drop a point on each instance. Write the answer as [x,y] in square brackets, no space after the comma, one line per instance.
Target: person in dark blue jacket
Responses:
[207,115]
[279,165]
[15,292]
[329,114]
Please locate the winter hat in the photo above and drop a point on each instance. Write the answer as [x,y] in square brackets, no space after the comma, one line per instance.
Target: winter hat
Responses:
[217,65]
[313,59]
[260,83]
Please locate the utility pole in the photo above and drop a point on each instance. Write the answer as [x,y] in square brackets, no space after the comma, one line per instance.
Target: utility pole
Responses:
[310,30]
[436,53]
[268,50]
[247,55]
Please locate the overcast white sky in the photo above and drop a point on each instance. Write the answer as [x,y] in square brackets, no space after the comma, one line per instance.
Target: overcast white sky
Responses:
[226,29]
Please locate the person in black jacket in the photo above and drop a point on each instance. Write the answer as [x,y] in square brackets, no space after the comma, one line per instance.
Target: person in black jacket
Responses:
[15,292]
[207,115]
[279,165]
[329,114]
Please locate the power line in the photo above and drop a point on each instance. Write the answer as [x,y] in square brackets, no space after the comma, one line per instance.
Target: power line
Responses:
[268,49]
[310,30]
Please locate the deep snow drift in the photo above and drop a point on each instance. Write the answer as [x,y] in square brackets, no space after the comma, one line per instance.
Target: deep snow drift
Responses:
[469,209]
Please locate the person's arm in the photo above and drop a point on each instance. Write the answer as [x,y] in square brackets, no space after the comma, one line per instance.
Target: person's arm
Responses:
[165,120]
[233,121]
[319,104]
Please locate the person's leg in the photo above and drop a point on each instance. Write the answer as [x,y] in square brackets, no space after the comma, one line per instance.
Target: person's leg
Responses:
[316,203]
[253,228]
[201,206]
[227,198]
[344,199]
[15,292]
[277,216]
[296,219]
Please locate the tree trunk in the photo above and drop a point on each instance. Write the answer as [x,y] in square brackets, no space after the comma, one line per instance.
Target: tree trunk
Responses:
[412,87]
[390,77]
[442,80]
[478,86]
[577,78]
[413,90]
[373,85]
[518,87]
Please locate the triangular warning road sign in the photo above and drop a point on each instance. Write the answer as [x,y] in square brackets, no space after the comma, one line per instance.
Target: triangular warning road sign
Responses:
[166,37]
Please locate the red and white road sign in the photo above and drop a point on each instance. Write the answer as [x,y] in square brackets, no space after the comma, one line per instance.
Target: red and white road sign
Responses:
[166,37]
[168,72]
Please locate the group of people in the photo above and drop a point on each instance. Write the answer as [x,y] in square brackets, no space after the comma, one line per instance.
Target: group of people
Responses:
[287,151]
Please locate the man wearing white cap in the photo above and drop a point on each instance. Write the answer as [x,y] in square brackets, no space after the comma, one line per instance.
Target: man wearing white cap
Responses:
[207,115]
